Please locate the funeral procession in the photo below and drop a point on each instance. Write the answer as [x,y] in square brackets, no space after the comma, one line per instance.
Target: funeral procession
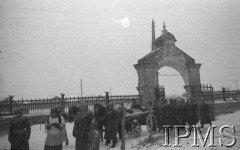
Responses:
[119,75]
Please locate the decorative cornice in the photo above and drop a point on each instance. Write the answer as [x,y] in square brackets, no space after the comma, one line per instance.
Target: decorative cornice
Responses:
[146,65]
[194,66]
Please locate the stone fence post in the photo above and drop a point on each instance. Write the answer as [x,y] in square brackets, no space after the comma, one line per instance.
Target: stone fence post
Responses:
[11,104]
[224,93]
[62,102]
[107,98]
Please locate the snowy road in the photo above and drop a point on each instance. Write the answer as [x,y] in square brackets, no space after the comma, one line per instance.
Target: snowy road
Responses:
[38,137]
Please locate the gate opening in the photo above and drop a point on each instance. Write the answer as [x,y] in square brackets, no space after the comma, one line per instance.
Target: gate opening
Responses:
[172,82]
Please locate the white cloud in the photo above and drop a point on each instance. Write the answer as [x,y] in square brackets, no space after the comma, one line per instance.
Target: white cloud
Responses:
[124,22]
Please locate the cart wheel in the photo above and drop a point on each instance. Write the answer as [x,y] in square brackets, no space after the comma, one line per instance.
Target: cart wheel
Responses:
[153,125]
[136,128]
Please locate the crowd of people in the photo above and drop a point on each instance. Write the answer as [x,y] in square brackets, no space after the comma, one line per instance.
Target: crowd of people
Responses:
[181,113]
[88,125]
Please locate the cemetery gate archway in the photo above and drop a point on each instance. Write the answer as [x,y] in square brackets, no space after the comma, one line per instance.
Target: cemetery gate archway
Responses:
[165,53]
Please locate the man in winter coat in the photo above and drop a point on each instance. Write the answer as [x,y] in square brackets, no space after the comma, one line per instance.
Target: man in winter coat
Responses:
[205,114]
[82,126]
[111,125]
[19,131]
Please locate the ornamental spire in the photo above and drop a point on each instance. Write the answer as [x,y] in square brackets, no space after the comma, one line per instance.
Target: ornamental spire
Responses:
[164,29]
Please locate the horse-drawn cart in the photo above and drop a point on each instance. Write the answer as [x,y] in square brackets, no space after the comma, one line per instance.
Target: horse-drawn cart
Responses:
[142,118]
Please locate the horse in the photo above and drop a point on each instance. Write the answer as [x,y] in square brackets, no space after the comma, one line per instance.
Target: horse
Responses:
[100,114]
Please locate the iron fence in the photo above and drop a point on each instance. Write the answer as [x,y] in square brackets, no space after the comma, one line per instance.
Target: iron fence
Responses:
[41,106]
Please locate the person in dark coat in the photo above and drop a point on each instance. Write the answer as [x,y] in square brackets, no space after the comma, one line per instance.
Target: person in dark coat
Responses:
[119,123]
[164,111]
[94,136]
[100,118]
[111,125]
[180,113]
[205,114]
[184,113]
[82,126]
[168,117]
[160,116]
[174,110]
[19,131]
[193,113]
[190,114]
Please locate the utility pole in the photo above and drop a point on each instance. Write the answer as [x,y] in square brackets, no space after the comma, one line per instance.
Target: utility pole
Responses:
[237,85]
[110,90]
[81,88]
[153,35]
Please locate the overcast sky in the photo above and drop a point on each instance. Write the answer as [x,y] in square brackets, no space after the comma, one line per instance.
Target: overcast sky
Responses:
[49,45]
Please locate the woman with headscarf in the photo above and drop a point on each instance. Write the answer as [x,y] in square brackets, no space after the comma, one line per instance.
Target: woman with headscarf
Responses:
[82,127]
[54,127]
[19,131]
[111,125]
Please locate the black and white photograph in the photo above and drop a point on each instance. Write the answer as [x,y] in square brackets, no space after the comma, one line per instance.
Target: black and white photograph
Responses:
[119,74]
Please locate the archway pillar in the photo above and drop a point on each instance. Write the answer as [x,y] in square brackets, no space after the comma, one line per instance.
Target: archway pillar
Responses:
[147,81]
[188,91]
[195,82]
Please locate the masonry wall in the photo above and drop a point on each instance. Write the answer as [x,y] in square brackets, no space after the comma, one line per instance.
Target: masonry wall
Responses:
[223,108]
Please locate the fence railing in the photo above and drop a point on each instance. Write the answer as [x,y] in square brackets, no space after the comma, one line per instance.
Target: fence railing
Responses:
[210,96]
[204,91]
[225,94]
[207,93]
[41,106]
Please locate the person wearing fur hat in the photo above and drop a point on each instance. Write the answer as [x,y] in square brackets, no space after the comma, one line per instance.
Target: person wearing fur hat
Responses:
[111,125]
[19,131]
[82,126]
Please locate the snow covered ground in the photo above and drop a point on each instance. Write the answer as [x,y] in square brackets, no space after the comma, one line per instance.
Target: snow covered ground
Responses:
[228,119]
[38,137]
[139,143]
